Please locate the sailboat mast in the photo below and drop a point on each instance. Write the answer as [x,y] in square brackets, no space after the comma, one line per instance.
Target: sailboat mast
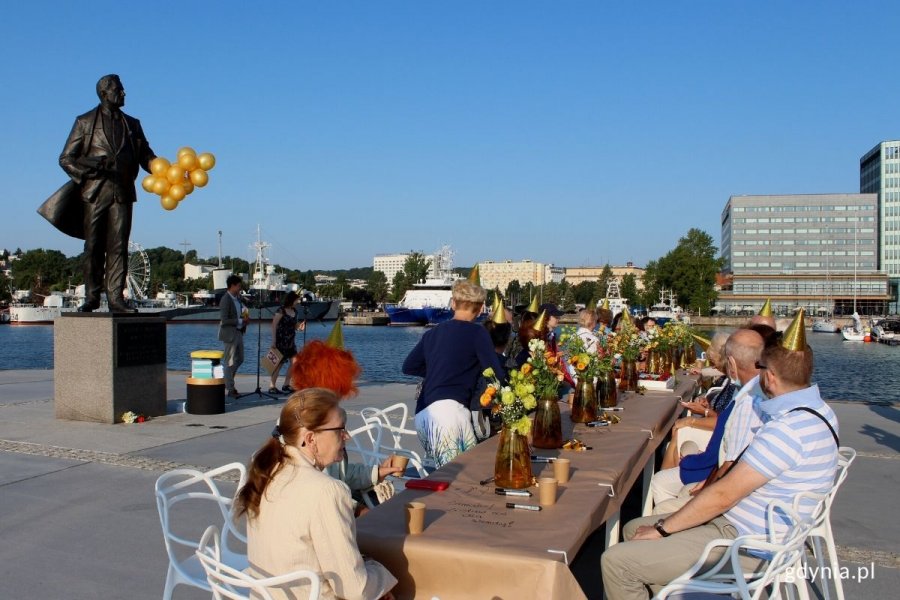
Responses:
[855,263]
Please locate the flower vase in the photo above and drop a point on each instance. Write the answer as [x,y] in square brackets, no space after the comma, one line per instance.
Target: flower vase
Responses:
[584,404]
[628,378]
[547,431]
[684,364]
[653,362]
[677,355]
[607,392]
[691,354]
[512,467]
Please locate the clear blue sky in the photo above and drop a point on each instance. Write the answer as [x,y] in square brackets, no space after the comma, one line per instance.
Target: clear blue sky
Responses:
[568,132]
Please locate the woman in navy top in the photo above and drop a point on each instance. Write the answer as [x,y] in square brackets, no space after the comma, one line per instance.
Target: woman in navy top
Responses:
[451,357]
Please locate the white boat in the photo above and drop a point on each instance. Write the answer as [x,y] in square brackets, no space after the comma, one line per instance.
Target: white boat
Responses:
[825,325]
[427,303]
[665,310]
[52,307]
[855,332]
[887,328]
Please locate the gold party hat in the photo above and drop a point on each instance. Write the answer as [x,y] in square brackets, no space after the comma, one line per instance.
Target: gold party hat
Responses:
[626,316]
[336,337]
[475,275]
[498,300]
[766,310]
[794,338]
[541,322]
[499,315]
[704,342]
[605,305]
[533,307]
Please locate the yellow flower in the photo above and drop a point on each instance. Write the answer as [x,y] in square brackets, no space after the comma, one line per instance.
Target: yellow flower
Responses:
[507,397]
[489,372]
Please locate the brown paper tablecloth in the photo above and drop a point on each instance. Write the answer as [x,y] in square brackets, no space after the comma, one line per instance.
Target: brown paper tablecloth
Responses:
[474,547]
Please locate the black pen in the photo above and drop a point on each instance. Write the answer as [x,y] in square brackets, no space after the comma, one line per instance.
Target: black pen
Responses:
[486,481]
[597,423]
[505,492]
[522,506]
[542,459]
[614,408]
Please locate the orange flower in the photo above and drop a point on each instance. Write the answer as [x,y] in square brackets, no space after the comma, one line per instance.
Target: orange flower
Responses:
[491,391]
[526,369]
[485,399]
[581,366]
[552,360]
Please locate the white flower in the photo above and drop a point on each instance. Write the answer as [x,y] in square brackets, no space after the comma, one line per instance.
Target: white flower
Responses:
[537,345]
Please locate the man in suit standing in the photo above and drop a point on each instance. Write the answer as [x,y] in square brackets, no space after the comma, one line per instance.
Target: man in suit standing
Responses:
[232,325]
[102,156]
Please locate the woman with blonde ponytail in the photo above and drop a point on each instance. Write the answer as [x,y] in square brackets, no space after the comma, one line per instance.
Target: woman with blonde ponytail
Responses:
[298,517]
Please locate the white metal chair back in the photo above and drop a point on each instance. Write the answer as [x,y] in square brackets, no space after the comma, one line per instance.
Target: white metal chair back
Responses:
[366,442]
[393,420]
[179,486]
[822,529]
[226,582]
[726,576]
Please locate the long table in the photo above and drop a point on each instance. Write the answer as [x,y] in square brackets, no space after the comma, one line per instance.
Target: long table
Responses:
[474,547]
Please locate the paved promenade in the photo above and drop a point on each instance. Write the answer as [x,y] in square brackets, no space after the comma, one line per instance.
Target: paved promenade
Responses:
[79,518]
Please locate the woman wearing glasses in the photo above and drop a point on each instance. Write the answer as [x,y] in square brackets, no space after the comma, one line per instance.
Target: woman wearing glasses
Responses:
[298,517]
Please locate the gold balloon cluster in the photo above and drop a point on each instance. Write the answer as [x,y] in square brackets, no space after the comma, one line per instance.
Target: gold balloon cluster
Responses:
[174,181]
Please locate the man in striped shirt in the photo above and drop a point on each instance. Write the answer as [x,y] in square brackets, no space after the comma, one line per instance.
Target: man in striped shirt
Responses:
[794,451]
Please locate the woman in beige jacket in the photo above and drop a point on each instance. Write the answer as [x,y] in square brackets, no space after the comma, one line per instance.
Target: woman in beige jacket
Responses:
[298,517]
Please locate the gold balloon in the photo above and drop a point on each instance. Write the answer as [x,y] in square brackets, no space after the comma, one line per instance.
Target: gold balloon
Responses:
[148,182]
[206,160]
[187,161]
[158,166]
[188,186]
[199,177]
[160,186]
[168,202]
[176,192]
[185,150]
[175,174]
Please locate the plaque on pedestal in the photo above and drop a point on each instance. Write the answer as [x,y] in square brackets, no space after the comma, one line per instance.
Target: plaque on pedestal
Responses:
[106,364]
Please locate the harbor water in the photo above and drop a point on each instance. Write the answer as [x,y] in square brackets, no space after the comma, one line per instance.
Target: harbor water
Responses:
[843,370]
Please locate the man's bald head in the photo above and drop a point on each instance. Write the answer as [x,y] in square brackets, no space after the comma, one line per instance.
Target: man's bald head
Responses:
[743,349]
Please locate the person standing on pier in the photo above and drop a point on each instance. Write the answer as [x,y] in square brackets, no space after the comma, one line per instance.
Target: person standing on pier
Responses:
[233,317]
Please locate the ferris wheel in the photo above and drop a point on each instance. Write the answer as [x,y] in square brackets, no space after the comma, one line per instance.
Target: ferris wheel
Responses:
[138,280]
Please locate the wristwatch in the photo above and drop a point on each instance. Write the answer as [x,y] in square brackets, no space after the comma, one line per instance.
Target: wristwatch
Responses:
[659,527]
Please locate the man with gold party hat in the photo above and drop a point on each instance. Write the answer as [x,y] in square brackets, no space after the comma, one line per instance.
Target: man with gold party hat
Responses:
[795,452]
[328,365]
[765,316]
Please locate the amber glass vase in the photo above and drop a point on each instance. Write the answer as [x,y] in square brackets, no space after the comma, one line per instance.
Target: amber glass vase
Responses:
[512,468]
[677,355]
[628,376]
[653,362]
[607,389]
[547,431]
[690,355]
[584,402]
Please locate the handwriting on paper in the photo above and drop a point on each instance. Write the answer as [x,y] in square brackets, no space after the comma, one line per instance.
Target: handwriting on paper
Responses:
[481,514]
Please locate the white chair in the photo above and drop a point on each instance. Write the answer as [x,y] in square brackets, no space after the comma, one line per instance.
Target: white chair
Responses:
[182,485]
[822,529]
[393,419]
[726,576]
[227,582]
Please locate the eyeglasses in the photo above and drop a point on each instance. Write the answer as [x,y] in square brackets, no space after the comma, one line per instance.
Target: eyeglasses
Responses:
[341,430]
[760,366]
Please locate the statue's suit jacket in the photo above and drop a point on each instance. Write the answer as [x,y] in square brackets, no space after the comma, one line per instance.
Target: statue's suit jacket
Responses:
[87,140]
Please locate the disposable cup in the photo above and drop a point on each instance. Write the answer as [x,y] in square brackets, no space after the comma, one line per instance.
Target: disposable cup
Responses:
[547,488]
[561,470]
[399,461]
[415,517]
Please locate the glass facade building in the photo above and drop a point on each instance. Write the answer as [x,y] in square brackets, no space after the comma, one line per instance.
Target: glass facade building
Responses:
[802,250]
[879,173]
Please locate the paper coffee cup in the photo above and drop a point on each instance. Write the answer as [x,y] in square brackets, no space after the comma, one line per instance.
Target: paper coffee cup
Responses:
[399,461]
[561,470]
[547,489]
[415,517]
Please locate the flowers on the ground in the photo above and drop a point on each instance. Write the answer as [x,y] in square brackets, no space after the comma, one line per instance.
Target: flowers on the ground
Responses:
[133,417]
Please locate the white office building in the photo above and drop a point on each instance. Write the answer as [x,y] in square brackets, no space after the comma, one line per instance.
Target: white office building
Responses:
[391,264]
[879,174]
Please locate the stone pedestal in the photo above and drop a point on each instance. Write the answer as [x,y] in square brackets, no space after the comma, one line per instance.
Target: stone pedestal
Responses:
[106,364]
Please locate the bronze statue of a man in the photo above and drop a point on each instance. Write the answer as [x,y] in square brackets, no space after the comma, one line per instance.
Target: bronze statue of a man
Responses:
[102,156]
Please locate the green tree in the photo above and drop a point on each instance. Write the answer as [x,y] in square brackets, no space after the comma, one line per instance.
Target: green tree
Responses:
[415,269]
[378,286]
[514,292]
[585,292]
[568,300]
[5,291]
[606,275]
[398,286]
[652,284]
[689,270]
[40,270]
[628,289]
[551,293]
